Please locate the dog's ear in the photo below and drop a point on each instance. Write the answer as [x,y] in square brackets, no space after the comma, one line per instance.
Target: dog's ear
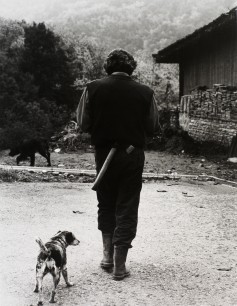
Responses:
[69,237]
[55,235]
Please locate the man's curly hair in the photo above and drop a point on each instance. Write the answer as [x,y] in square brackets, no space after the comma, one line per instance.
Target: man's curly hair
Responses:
[120,60]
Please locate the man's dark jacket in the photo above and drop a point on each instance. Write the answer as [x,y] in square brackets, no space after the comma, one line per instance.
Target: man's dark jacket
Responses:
[119,109]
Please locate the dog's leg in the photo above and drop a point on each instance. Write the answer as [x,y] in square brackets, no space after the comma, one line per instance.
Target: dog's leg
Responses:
[65,276]
[32,159]
[46,155]
[36,285]
[20,157]
[40,273]
[56,279]
[40,289]
[48,159]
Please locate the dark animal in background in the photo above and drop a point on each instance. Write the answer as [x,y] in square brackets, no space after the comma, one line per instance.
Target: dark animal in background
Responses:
[52,259]
[28,148]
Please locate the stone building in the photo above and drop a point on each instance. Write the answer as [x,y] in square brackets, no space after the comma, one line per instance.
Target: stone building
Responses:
[207,61]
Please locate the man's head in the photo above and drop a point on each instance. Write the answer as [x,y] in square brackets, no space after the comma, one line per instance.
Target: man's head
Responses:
[120,60]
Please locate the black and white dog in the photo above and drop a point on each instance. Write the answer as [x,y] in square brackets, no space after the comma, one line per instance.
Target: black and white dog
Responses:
[52,259]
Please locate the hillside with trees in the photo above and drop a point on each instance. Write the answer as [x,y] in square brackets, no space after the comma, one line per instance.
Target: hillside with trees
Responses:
[133,25]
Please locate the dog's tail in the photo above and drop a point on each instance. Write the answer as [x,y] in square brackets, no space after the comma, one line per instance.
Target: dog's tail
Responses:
[42,246]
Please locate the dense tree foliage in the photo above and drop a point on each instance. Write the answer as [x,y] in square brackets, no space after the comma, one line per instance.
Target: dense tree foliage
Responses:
[39,78]
[87,57]
[162,78]
[45,58]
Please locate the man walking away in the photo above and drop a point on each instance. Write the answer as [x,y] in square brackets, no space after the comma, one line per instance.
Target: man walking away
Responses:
[117,111]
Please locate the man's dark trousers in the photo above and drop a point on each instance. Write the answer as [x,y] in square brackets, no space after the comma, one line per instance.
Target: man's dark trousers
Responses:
[119,193]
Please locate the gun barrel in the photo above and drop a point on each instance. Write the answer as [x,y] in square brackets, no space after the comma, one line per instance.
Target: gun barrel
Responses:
[104,168]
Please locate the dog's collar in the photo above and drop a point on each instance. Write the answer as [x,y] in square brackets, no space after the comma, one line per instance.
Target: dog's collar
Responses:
[120,73]
[61,240]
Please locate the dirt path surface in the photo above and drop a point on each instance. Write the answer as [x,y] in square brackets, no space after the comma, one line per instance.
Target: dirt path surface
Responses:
[184,252]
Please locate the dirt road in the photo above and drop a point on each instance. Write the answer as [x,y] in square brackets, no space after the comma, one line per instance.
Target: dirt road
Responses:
[185,252]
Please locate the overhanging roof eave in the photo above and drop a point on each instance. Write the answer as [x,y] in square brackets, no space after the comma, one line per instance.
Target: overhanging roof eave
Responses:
[159,59]
[172,53]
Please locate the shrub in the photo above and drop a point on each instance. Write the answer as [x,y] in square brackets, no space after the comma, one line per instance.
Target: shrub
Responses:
[8,176]
[31,120]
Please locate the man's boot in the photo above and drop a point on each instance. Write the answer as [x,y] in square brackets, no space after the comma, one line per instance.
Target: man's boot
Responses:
[120,256]
[108,252]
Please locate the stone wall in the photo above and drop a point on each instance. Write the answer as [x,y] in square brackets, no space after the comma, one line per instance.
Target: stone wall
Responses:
[210,115]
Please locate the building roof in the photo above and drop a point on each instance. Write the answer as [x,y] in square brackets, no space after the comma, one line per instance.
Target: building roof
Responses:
[173,52]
